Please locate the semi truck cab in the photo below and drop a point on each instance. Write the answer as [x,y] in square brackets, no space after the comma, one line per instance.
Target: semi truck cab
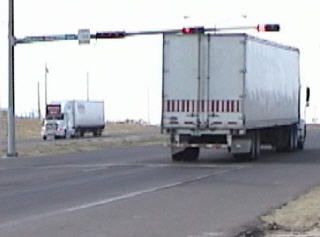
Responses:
[54,124]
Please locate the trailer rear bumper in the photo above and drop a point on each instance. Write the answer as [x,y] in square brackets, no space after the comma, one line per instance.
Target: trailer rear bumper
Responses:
[208,146]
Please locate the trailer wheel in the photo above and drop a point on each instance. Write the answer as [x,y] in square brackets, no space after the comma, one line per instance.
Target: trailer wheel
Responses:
[97,133]
[188,154]
[302,139]
[293,145]
[287,140]
[254,152]
[283,140]
[255,148]
[300,145]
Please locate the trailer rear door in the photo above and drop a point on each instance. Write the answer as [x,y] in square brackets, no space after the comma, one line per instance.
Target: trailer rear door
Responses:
[180,81]
[202,81]
[226,75]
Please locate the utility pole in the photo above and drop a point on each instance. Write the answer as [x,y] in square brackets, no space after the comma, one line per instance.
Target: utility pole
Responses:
[46,70]
[39,109]
[11,152]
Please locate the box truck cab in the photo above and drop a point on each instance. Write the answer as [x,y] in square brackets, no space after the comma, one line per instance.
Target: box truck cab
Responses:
[73,119]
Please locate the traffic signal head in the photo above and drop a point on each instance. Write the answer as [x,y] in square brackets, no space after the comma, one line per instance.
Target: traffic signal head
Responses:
[110,35]
[268,27]
[193,30]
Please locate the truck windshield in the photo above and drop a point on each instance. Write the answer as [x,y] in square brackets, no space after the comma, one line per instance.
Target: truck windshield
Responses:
[55,117]
[53,112]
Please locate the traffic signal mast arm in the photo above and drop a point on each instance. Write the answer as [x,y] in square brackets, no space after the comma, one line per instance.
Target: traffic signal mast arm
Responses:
[123,34]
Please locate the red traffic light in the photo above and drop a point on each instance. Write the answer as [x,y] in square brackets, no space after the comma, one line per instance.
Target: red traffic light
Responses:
[110,35]
[193,30]
[268,27]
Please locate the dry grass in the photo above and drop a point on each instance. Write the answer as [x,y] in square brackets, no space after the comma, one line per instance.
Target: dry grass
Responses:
[129,128]
[25,128]
[300,217]
[87,144]
[29,129]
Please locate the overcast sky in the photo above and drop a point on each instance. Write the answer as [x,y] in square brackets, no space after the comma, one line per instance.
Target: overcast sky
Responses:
[126,73]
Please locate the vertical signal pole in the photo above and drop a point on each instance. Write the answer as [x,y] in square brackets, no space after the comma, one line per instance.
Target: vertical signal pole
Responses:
[11,152]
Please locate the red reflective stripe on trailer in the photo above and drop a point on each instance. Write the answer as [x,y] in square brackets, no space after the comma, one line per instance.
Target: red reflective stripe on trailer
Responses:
[202,106]
[232,106]
[192,106]
[198,105]
[178,105]
[182,106]
[222,106]
[228,108]
[238,106]
[187,105]
[173,106]
[168,106]
[212,106]
[217,106]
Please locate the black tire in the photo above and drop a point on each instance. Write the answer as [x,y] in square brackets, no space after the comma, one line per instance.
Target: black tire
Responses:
[288,141]
[192,154]
[301,141]
[44,138]
[300,145]
[284,140]
[188,154]
[176,157]
[254,150]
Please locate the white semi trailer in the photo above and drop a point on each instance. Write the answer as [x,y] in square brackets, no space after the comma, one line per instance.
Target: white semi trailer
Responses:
[231,91]
[73,119]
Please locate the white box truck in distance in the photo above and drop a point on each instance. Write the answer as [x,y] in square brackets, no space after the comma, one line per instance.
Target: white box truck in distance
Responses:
[73,119]
[230,91]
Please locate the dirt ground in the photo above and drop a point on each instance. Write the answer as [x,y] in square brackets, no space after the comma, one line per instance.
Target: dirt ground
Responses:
[300,217]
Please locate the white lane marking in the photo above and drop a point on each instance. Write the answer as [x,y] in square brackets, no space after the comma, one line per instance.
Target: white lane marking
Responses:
[112,199]
[94,167]
[209,234]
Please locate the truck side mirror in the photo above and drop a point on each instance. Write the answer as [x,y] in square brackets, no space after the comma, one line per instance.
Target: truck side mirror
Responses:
[308,96]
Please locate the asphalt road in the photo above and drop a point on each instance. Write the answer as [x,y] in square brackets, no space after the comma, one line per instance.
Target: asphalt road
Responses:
[137,191]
